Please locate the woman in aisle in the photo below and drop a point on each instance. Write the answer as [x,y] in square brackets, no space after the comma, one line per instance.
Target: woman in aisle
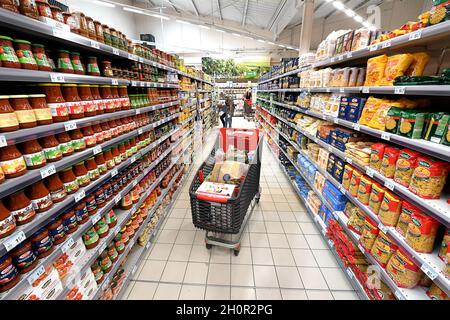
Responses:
[229,103]
[223,110]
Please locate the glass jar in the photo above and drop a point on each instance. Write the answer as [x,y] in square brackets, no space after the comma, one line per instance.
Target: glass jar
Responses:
[44,9]
[42,112]
[64,63]
[114,39]
[29,9]
[23,257]
[39,196]
[42,243]
[107,97]
[55,101]
[77,138]
[92,67]
[73,101]
[116,155]
[21,208]
[7,221]
[51,148]
[56,231]
[81,212]
[8,119]
[65,144]
[83,24]
[8,55]
[87,100]
[91,205]
[109,159]
[72,21]
[8,274]
[91,28]
[40,57]
[98,133]
[23,111]
[12,163]
[106,131]
[33,154]
[106,69]
[77,66]
[11,5]
[100,198]
[25,55]
[91,238]
[125,101]
[56,187]
[116,98]
[89,136]
[82,175]
[69,220]
[99,31]
[101,163]
[113,128]
[106,35]
[57,14]
[98,101]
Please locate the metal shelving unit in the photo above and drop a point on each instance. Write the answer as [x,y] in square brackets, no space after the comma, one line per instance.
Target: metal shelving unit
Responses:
[286,74]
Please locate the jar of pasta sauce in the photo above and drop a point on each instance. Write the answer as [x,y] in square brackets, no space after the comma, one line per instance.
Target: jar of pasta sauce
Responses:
[7,221]
[8,273]
[78,142]
[89,137]
[65,144]
[29,8]
[69,180]
[100,198]
[91,205]
[23,110]
[51,148]
[11,5]
[77,66]
[12,162]
[73,101]
[81,212]
[57,231]
[101,163]
[87,100]
[108,99]
[23,257]
[8,56]
[92,68]
[98,133]
[83,30]
[92,169]
[56,187]
[69,220]
[106,131]
[99,31]
[82,174]
[72,21]
[41,57]
[55,101]
[91,28]
[8,119]
[116,98]
[106,35]
[57,14]
[98,100]
[39,196]
[125,101]
[109,159]
[42,112]
[64,64]
[44,9]
[33,154]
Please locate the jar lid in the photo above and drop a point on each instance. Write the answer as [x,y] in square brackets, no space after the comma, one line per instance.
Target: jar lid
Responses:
[69,85]
[80,163]
[91,57]
[67,169]
[105,86]
[18,96]
[63,51]
[36,96]
[75,53]
[4,97]
[84,85]
[49,85]
[22,41]
[6,38]
[38,45]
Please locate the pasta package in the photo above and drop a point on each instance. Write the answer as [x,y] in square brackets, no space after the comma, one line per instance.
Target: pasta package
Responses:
[417,67]
[364,190]
[390,209]
[375,70]
[429,178]
[412,123]
[421,232]
[369,234]
[383,249]
[396,66]
[346,178]
[356,221]
[376,155]
[376,197]
[443,249]
[405,217]
[371,106]
[403,271]
[436,293]
[393,120]
[406,163]
[379,118]
[389,162]
[354,183]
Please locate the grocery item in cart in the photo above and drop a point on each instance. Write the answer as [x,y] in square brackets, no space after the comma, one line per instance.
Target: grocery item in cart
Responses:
[383,249]
[429,178]
[421,232]
[403,271]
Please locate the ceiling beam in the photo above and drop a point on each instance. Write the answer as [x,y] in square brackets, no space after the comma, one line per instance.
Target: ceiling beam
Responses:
[276,15]
[173,6]
[220,10]
[195,8]
[244,17]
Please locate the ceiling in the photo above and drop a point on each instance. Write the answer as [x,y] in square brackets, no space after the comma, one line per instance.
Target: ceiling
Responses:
[265,15]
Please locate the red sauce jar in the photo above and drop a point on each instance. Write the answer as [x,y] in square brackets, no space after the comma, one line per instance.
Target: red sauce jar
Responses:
[69,220]
[113,128]
[116,155]
[91,205]
[108,99]
[40,197]
[8,274]
[81,212]
[8,119]
[65,144]
[107,69]
[92,169]
[33,154]
[7,221]
[23,257]
[82,174]
[72,21]
[109,159]
[101,163]
[78,142]
[73,101]
[25,55]
[125,100]
[23,111]
[89,137]
[98,100]
[44,9]
[12,163]
[51,148]
[99,31]
[106,131]
[108,190]
[87,100]
[57,231]
[69,181]
[11,5]
[100,198]
[116,98]
[55,101]
[92,68]
[122,151]
[83,24]
[28,8]
[41,57]
[21,208]
[77,66]
[57,14]
[64,64]
[91,28]
[42,112]
[56,188]
[98,133]
[8,55]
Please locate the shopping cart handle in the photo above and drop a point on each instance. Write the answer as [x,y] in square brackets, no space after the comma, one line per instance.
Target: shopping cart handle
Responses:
[211,199]
[201,177]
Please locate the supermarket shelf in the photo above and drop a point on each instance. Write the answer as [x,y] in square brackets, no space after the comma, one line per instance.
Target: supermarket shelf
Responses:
[435,33]
[439,209]
[147,84]
[184,74]
[22,135]
[429,263]
[427,147]
[289,73]
[182,123]
[189,105]
[432,90]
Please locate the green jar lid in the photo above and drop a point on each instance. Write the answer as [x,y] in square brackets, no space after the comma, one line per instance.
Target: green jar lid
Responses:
[92,58]
[38,45]
[5,38]
[75,53]
[22,41]
[63,51]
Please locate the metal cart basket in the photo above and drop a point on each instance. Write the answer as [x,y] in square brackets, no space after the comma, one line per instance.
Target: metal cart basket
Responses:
[226,217]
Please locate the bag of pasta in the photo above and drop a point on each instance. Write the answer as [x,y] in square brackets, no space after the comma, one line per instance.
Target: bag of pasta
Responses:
[371,106]
[390,209]
[375,70]
[436,293]
[406,163]
[421,232]
[417,67]
[356,221]
[379,118]
[396,66]
[443,249]
[389,161]
[403,271]
[383,249]
[376,155]
[365,189]
[369,234]
[376,197]
[354,183]
[405,217]
[347,176]
[429,178]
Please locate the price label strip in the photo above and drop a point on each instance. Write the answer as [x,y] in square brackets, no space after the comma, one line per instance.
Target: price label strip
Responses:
[70,126]
[11,242]
[48,171]
[3,142]
[95,44]
[96,218]
[67,245]
[114,172]
[365,90]
[97,150]
[430,272]
[36,274]
[399,90]
[370,172]
[55,77]
[383,228]
[79,196]
[390,185]
[386,44]
[416,35]
[116,51]
[356,127]
[114,82]
[117,198]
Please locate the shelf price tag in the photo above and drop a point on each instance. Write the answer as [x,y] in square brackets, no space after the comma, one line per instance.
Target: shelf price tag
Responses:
[97,150]
[349,160]
[399,295]
[341,57]
[114,173]
[95,44]
[133,83]
[389,184]
[399,90]
[140,131]
[67,245]
[386,136]
[117,198]
[386,44]
[330,243]
[350,273]
[349,55]
[333,59]
[3,142]
[138,111]
[342,189]
[134,183]
[48,171]
[416,35]
[133,159]
[11,242]
[341,90]
[365,90]
[96,218]
[383,228]
[70,125]
[336,120]
[116,51]
[131,56]
[142,84]
[148,244]
[356,127]
[79,195]
[55,77]
[373,47]
[430,272]
[149,84]
[58,33]
[36,274]
[370,172]
[114,82]
[361,248]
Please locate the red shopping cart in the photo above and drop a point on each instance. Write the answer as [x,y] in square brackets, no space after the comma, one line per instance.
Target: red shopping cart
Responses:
[222,218]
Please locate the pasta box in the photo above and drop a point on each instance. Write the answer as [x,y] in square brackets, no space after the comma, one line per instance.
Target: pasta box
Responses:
[331,164]
[335,203]
[343,107]
[354,109]
[339,169]
[334,192]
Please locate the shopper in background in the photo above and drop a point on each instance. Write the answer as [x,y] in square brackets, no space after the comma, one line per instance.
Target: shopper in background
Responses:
[247,102]
[223,114]
[230,109]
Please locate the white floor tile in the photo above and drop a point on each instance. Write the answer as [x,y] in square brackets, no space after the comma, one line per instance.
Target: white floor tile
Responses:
[287,216]
[199,254]
[290,294]
[297,241]
[219,274]
[167,291]
[312,278]
[291,227]
[344,295]
[270,216]
[304,258]
[152,270]
[196,272]
[336,279]
[143,291]
[259,240]
[173,223]
[319,295]
[325,259]
[278,240]
[244,257]
[185,237]
[274,227]
[288,277]
[217,293]
[257,227]
[262,256]
[180,252]
[316,242]
[167,236]
[160,251]
[220,255]
[268,294]
[174,271]
[189,292]
[242,275]
[243,294]
[265,276]
[308,228]
[282,257]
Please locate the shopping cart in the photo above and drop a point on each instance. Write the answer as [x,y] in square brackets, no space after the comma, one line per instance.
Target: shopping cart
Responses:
[249,113]
[222,218]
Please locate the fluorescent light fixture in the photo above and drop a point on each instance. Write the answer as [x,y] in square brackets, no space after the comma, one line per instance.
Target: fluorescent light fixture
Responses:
[329,0]
[271,43]
[338,5]
[283,46]
[203,27]
[290,48]
[261,40]
[218,30]
[358,19]
[105,4]
[372,28]
[367,24]
[182,22]
[350,13]
[133,10]
[159,16]
[236,34]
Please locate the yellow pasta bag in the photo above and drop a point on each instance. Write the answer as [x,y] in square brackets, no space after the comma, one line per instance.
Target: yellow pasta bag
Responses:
[375,70]
[371,106]
[379,118]
[396,66]
[419,64]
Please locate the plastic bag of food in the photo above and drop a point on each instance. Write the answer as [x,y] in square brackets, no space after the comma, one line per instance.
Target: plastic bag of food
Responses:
[376,155]
[396,66]
[429,178]
[375,70]
[369,233]
[347,176]
[365,189]
[356,221]
[412,123]
[436,293]
[403,271]
[379,118]
[371,106]
[417,67]
[383,249]
[443,249]
[390,209]
[421,232]
[354,183]
[376,197]
[389,161]
[406,163]
[405,217]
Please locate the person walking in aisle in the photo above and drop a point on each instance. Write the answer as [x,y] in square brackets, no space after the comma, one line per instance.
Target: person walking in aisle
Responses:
[230,109]
[223,110]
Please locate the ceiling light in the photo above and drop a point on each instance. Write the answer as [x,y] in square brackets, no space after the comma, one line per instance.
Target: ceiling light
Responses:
[350,13]
[271,43]
[218,30]
[182,22]
[133,10]
[105,4]
[203,27]
[373,28]
[236,34]
[261,40]
[283,46]
[290,48]
[329,0]
[367,24]
[358,19]
[339,5]
[159,16]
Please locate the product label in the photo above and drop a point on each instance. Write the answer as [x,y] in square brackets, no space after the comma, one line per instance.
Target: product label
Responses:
[78,144]
[77,65]
[8,54]
[57,233]
[100,198]
[93,68]
[70,223]
[109,104]
[52,153]
[66,147]
[13,166]
[58,109]
[24,213]
[42,203]
[41,60]
[118,159]
[90,140]
[25,260]
[65,64]
[82,214]
[8,120]
[91,205]
[125,102]
[83,180]
[75,107]
[100,104]
[102,168]
[25,116]
[58,194]
[71,186]
[106,134]
[88,106]
[25,57]
[7,275]
[94,174]
[118,103]
[34,159]
[7,225]
[42,114]
[110,163]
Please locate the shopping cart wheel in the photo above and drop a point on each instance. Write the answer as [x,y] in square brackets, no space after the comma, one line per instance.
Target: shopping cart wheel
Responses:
[208,246]
[236,252]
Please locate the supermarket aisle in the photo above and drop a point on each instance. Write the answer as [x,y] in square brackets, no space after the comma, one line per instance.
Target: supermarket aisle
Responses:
[283,256]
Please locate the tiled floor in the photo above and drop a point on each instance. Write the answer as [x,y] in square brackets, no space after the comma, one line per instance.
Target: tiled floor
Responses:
[283,256]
